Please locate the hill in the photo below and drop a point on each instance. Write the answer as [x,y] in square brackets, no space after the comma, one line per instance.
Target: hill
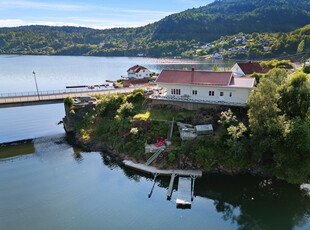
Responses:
[174,35]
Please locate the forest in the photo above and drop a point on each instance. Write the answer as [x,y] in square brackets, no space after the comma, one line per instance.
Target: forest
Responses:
[182,34]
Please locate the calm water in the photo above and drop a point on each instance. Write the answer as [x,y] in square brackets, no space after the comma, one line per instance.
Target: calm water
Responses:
[56,72]
[48,184]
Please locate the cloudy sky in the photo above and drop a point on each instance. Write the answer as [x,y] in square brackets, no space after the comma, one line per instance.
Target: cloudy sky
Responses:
[91,13]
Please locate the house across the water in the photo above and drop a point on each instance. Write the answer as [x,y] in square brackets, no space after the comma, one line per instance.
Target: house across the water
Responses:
[138,72]
[248,68]
[210,87]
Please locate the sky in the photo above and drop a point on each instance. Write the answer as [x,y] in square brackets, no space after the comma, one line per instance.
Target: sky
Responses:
[98,14]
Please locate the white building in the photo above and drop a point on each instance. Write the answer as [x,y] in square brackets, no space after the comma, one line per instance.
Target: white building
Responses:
[138,72]
[247,68]
[216,87]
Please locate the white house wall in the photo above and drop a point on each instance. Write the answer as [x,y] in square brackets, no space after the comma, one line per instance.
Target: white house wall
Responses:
[142,74]
[237,70]
[238,95]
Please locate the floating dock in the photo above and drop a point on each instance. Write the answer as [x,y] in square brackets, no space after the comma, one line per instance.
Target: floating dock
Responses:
[87,86]
[184,192]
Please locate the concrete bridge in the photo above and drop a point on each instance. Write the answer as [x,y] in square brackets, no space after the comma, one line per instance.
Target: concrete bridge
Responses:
[54,96]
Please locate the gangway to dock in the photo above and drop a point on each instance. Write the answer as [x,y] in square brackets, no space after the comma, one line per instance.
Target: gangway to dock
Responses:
[184,192]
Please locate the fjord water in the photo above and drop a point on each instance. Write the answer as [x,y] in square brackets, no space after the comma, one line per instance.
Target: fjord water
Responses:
[48,184]
[45,183]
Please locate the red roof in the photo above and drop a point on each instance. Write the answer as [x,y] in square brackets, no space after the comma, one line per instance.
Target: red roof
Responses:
[128,83]
[136,68]
[251,67]
[195,77]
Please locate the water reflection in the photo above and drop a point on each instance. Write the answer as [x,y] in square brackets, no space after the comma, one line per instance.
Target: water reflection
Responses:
[259,203]
[16,149]
[242,202]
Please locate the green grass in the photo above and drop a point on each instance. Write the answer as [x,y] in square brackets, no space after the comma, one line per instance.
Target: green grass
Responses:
[168,115]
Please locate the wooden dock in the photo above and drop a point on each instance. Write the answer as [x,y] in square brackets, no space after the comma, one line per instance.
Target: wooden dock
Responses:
[169,192]
[152,170]
[184,192]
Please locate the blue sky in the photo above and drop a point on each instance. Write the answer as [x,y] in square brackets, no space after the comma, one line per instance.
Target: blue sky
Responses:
[91,13]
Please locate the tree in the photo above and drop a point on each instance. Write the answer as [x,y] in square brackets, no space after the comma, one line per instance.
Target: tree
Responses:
[295,96]
[264,119]
[215,68]
[301,46]
[292,158]
[278,76]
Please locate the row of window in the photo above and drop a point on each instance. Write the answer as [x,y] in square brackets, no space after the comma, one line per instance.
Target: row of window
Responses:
[195,92]
[176,91]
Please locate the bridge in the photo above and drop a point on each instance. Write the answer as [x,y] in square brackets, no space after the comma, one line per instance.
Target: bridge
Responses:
[53,96]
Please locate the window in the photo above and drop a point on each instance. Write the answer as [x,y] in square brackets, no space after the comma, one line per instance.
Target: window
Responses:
[221,94]
[176,91]
[194,92]
[211,93]
[230,94]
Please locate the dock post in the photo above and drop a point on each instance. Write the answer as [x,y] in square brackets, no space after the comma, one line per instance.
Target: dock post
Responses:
[193,186]
[169,193]
[150,193]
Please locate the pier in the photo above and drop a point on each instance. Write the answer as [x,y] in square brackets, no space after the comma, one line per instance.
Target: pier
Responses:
[53,96]
[170,188]
[185,187]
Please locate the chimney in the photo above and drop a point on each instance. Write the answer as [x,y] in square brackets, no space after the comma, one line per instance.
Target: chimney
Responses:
[192,75]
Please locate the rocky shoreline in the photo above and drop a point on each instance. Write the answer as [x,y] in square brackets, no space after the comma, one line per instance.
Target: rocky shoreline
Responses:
[182,164]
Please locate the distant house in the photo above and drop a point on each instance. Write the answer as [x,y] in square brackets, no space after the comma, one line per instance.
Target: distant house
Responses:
[248,68]
[222,42]
[239,39]
[267,48]
[207,46]
[216,87]
[138,72]
[217,56]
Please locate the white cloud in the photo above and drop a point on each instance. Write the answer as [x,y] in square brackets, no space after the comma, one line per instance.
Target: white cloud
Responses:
[39,5]
[11,22]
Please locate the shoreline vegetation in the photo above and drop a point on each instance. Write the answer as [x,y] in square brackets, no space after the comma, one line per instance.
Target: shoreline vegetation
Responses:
[271,136]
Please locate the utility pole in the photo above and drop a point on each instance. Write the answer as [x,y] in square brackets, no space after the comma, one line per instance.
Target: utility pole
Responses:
[35,80]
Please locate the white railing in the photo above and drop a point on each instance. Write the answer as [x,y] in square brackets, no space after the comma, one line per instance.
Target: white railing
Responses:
[58,94]
[48,92]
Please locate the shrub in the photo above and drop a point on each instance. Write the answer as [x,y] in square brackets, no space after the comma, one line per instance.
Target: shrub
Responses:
[68,101]
[306,69]
[125,109]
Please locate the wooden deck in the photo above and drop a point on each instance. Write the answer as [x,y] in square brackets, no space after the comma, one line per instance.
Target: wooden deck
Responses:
[152,170]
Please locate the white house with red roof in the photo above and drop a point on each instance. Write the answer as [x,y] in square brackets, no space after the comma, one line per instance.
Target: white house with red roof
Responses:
[138,72]
[216,87]
[247,68]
